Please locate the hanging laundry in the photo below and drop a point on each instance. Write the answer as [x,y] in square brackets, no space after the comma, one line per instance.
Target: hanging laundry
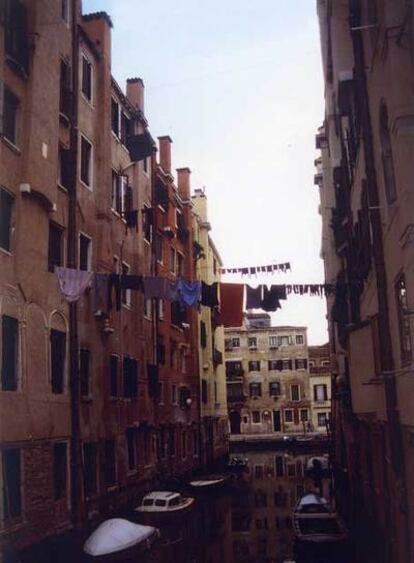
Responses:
[209,294]
[114,284]
[270,300]
[171,291]
[254,297]
[231,304]
[73,283]
[155,286]
[131,281]
[100,292]
[131,218]
[280,291]
[189,292]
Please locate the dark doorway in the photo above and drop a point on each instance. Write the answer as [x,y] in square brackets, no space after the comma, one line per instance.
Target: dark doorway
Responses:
[235,422]
[277,427]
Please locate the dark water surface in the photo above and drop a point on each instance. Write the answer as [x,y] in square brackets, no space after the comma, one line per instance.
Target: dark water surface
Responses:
[249,522]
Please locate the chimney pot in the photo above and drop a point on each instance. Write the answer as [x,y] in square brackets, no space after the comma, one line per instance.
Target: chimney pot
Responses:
[135,91]
[183,182]
[165,153]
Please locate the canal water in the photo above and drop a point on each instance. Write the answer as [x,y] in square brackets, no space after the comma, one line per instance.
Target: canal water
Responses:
[249,522]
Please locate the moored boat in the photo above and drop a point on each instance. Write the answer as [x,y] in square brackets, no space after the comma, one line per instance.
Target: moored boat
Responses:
[315,522]
[209,482]
[161,504]
[118,539]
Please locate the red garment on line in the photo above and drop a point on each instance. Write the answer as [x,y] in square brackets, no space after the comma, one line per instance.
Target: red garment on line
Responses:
[231,304]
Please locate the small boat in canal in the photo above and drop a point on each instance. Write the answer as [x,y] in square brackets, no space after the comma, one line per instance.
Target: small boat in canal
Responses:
[209,482]
[237,463]
[314,522]
[118,539]
[161,504]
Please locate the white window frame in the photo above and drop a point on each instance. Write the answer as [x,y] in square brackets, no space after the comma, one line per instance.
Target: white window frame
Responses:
[325,415]
[291,392]
[284,416]
[260,417]
[273,341]
[299,336]
[325,392]
[250,345]
[90,255]
[307,415]
[91,161]
[128,292]
[123,184]
[83,55]
[237,340]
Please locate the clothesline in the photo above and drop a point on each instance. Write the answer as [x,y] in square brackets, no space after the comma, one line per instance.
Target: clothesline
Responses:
[253,270]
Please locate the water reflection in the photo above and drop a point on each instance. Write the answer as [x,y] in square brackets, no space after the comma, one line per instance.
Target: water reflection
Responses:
[250,522]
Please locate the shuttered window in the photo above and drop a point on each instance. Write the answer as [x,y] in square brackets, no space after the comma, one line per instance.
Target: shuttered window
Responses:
[10,347]
[6,204]
[12,495]
[130,373]
[58,353]
[86,78]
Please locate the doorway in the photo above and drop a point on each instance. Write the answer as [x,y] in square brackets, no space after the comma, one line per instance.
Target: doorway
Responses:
[235,421]
[277,426]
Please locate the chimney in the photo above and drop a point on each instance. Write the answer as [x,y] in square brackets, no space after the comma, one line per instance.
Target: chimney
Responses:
[165,153]
[135,92]
[183,182]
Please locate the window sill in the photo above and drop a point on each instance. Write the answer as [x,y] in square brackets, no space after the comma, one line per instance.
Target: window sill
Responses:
[90,188]
[14,148]
[64,119]
[6,252]
[127,306]
[118,215]
[62,188]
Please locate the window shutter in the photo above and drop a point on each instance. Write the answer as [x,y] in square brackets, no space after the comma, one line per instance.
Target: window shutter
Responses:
[279,365]
[10,354]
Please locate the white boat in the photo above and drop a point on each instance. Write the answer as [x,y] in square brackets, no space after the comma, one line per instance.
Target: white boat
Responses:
[209,482]
[322,461]
[314,521]
[164,503]
[115,538]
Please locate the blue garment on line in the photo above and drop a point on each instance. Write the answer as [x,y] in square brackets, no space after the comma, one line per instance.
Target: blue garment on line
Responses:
[189,292]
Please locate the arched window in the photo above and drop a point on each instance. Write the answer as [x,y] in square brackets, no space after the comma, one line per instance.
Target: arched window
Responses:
[387,159]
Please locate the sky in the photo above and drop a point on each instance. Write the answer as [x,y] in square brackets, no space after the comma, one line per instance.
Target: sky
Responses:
[238,87]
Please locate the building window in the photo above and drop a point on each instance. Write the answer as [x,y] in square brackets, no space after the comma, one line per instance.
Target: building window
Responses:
[322,419]
[10,114]
[58,356]
[295,392]
[12,494]
[274,388]
[178,315]
[113,375]
[86,162]
[286,364]
[131,440]
[172,259]
[184,443]
[15,32]
[55,251]
[119,193]
[273,341]
[85,252]
[90,483]
[60,464]
[174,394]
[256,417]
[148,308]
[64,11]
[84,372]
[254,365]
[147,222]
[125,128]
[130,373]
[279,466]
[110,463]
[86,78]
[284,340]
[387,158]
[304,415]
[6,204]
[252,342]
[161,309]
[403,319]
[299,339]
[320,393]
[10,353]
[235,342]
[65,89]
[115,117]
[159,248]
[145,165]
[125,293]
[288,415]
[301,363]
[273,365]
[64,168]
[255,389]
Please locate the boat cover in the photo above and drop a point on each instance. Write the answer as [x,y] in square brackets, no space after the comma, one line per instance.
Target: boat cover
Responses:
[115,535]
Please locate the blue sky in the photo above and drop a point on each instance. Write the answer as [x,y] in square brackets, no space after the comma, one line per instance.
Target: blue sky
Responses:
[238,86]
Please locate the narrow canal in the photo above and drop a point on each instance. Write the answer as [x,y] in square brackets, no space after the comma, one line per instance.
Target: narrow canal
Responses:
[249,522]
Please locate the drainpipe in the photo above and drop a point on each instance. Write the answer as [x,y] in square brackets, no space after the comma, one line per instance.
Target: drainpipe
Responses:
[386,354]
[75,446]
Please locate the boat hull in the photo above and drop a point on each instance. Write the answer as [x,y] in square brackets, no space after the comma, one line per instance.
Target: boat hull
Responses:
[128,555]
